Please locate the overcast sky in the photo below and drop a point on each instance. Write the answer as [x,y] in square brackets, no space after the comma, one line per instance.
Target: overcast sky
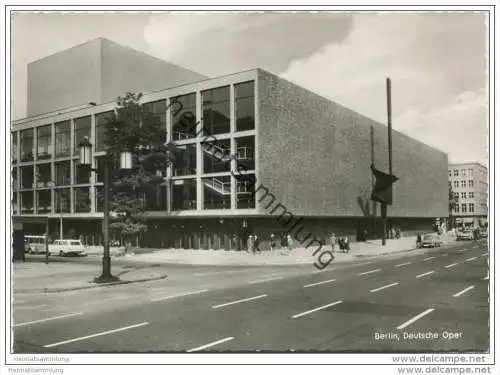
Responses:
[437,61]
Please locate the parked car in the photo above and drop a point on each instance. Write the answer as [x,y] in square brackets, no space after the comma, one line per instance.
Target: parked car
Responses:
[431,240]
[34,244]
[67,247]
[466,235]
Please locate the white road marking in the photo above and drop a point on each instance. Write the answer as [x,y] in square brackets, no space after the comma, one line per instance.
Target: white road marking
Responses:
[428,258]
[415,318]
[485,254]
[47,319]
[368,272]
[319,283]
[463,250]
[95,335]
[178,295]
[265,280]
[383,287]
[486,277]
[424,274]
[463,291]
[363,264]
[451,265]
[210,344]
[316,309]
[239,301]
[470,259]
[29,307]
[402,264]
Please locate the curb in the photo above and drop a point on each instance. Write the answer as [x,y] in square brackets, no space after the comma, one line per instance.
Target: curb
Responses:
[93,285]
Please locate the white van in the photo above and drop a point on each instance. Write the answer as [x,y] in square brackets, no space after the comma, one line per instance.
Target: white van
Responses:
[34,244]
[67,247]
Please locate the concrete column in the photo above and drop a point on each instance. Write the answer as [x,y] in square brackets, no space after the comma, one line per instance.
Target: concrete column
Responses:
[199,156]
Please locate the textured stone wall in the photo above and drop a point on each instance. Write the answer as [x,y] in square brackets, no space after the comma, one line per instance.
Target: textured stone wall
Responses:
[315,157]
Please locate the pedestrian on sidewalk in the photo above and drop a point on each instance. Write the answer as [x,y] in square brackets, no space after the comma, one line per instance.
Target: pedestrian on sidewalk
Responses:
[273,242]
[289,243]
[333,241]
[419,240]
[256,244]
[250,244]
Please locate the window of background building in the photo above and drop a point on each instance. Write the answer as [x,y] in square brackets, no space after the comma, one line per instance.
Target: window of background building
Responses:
[63,138]
[456,195]
[455,184]
[244,106]
[457,207]
[215,106]
[464,172]
[63,173]
[27,178]
[184,121]
[13,155]
[155,199]
[63,200]
[44,142]
[449,173]
[216,192]
[471,194]
[471,183]
[81,199]
[43,201]
[184,194]
[155,113]
[455,172]
[185,160]
[464,195]
[100,121]
[245,152]
[464,207]
[81,175]
[82,129]
[216,156]
[463,184]
[244,192]
[27,144]
[471,172]
[43,175]
[14,179]
[15,206]
[471,207]
[27,206]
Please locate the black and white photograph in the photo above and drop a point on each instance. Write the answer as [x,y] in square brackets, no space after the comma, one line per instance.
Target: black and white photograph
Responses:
[267,185]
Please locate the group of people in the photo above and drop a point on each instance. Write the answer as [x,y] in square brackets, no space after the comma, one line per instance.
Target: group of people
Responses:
[341,242]
[253,243]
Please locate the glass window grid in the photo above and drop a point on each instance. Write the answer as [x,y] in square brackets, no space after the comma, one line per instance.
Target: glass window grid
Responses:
[63,138]
[43,201]
[14,149]
[82,129]
[43,175]
[185,129]
[100,121]
[27,144]
[216,102]
[44,142]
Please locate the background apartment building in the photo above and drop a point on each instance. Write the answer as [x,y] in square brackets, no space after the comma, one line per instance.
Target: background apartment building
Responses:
[312,155]
[469,182]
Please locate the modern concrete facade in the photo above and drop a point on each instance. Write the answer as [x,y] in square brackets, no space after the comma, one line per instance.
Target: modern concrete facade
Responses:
[97,71]
[310,157]
[469,182]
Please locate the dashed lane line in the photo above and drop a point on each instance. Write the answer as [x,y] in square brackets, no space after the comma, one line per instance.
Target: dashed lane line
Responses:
[179,295]
[316,309]
[484,254]
[463,291]
[239,301]
[47,319]
[424,274]
[402,264]
[320,283]
[383,287]
[463,250]
[415,318]
[451,265]
[428,258]
[96,335]
[368,272]
[266,280]
[210,344]
[470,259]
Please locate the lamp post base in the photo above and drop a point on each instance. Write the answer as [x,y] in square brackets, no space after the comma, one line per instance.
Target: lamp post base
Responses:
[106,276]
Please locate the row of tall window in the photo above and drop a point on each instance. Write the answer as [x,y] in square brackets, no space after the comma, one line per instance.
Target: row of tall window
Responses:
[215,113]
[463,184]
[464,195]
[216,194]
[463,207]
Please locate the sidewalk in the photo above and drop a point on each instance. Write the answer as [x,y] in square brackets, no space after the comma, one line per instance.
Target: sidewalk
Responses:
[297,256]
[37,277]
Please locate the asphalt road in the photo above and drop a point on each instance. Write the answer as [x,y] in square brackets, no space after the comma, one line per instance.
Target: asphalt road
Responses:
[430,300]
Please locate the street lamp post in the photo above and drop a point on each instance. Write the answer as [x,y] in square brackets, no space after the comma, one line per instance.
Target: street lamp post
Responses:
[125,163]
